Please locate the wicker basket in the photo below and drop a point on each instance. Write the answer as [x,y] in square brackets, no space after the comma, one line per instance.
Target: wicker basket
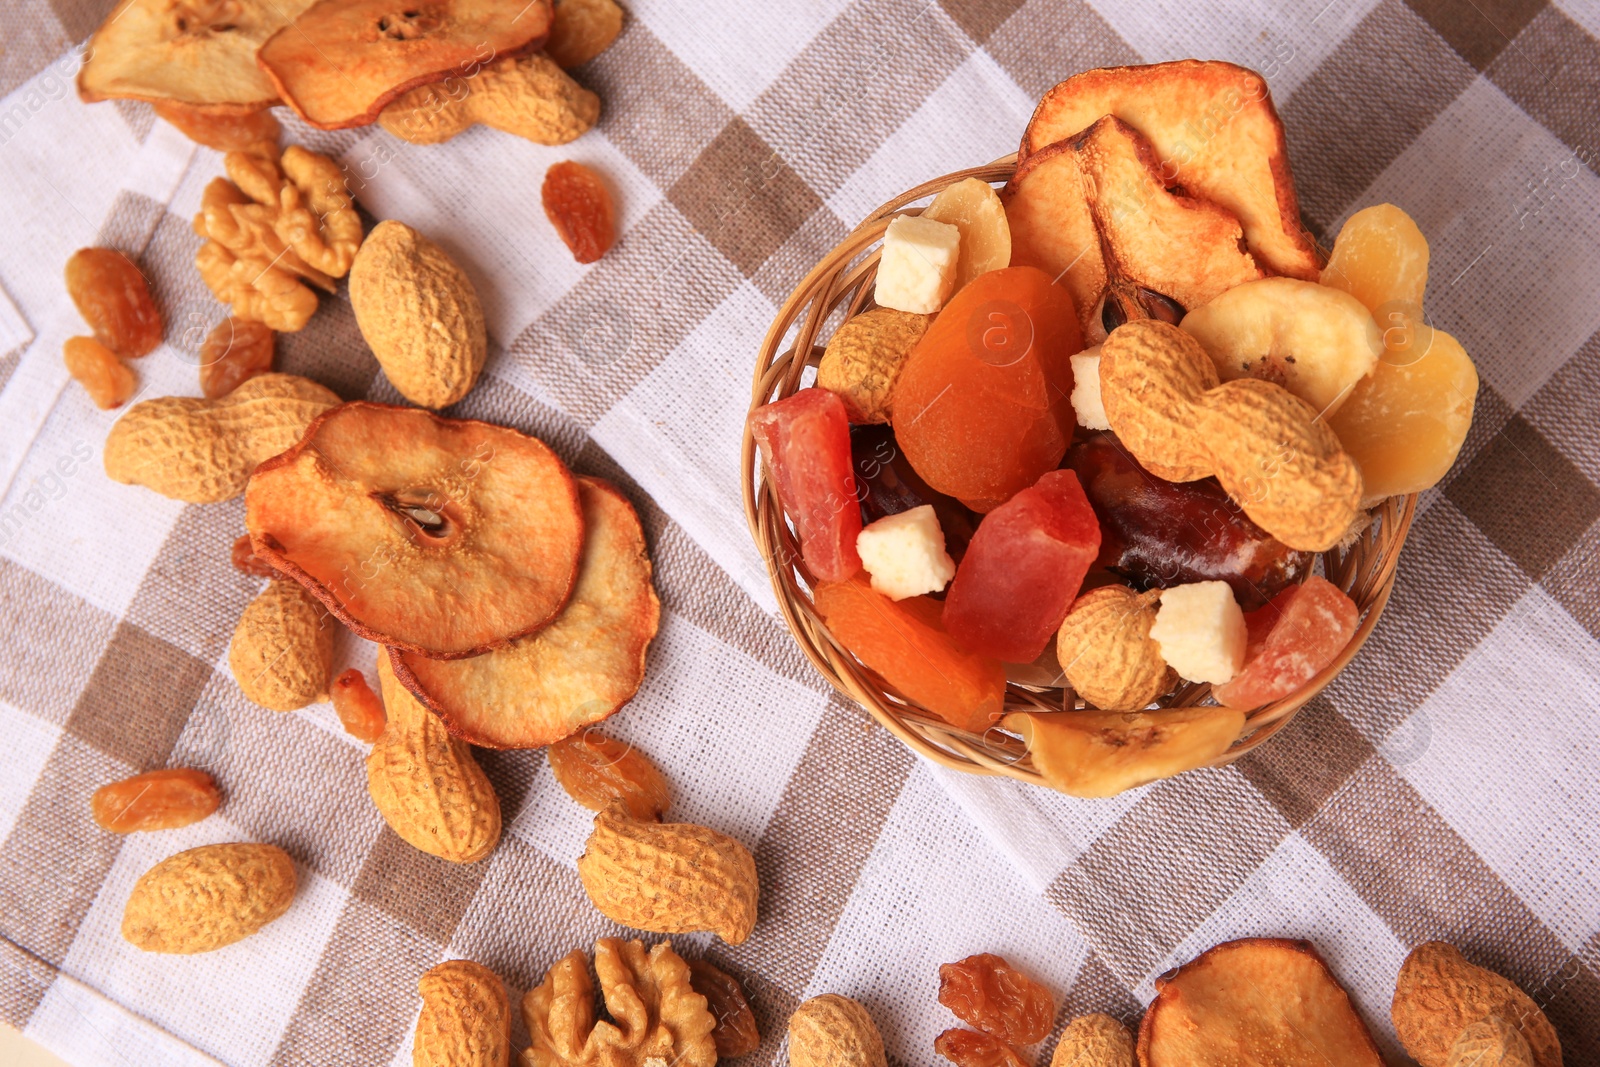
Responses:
[841,286]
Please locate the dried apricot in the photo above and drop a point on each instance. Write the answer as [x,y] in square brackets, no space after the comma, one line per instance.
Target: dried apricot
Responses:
[226,131]
[581,30]
[968,1048]
[156,800]
[579,206]
[113,298]
[595,769]
[245,560]
[987,992]
[358,707]
[109,381]
[235,351]
[736,1033]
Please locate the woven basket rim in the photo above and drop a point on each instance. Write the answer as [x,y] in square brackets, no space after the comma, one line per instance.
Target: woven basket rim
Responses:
[839,286]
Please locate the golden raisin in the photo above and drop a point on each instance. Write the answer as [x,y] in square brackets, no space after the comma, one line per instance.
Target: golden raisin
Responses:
[968,1048]
[736,1033]
[581,30]
[109,381]
[578,205]
[114,300]
[245,560]
[157,800]
[987,992]
[226,131]
[235,351]
[358,706]
[595,769]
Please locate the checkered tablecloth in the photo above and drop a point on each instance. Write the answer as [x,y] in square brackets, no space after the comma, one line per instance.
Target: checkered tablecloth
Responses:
[1445,787]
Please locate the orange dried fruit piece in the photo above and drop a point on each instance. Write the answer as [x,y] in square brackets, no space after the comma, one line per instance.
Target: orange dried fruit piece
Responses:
[235,351]
[579,206]
[595,770]
[987,992]
[1255,1001]
[114,299]
[581,30]
[580,669]
[358,707]
[983,404]
[225,129]
[969,1048]
[156,800]
[736,1034]
[1053,229]
[905,642]
[108,381]
[340,62]
[245,561]
[441,536]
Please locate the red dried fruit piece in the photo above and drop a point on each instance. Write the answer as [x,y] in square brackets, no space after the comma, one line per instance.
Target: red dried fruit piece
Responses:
[983,405]
[579,206]
[235,351]
[1160,533]
[987,992]
[805,440]
[736,1033]
[114,300]
[357,706]
[108,381]
[595,770]
[968,1048]
[905,642]
[156,800]
[1023,569]
[888,485]
[1293,637]
[245,560]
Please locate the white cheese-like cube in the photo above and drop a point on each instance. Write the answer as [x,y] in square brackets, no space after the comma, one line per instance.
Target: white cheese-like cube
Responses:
[904,554]
[1201,631]
[917,270]
[1086,402]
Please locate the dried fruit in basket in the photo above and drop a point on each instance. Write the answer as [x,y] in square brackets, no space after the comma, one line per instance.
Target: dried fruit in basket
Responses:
[358,707]
[906,644]
[114,299]
[864,357]
[1022,570]
[736,1034]
[156,800]
[578,205]
[968,1048]
[235,351]
[581,30]
[595,770]
[224,129]
[1102,753]
[983,404]
[526,96]
[1254,1001]
[109,381]
[1105,649]
[580,668]
[1439,994]
[1159,533]
[805,441]
[987,992]
[1295,635]
[889,485]
[973,207]
[1052,228]
[441,536]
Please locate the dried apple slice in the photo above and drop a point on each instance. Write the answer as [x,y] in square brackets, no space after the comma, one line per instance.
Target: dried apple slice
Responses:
[1255,1002]
[441,536]
[579,669]
[342,61]
[195,52]
[1216,133]
[1053,229]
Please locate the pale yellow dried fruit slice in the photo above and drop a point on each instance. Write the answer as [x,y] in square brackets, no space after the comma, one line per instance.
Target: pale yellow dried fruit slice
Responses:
[578,670]
[1101,754]
[974,208]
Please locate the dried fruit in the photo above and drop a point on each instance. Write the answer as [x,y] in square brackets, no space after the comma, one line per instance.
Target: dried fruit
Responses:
[224,129]
[358,707]
[282,649]
[1439,995]
[736,1034]
[235,351]
[1266,446]
[1022,570]
[108,381]
[419,314]
[986,992]
[1491,1042]
[669,878]
[580,669]
[1094,1041]
[864,357]
[208,897]
[1105,649]
[340,62]
[1052,229]
[805,441]
[905,643]
[887,484]
[1101,754]
[1380,257]
[1254,1001]
[968,1048]
[982,406]
[659,1018]
[114,299]
[426,784]
[1298,633]
[156,800]
[202,451]
[595,770]
[834,1031]
[581,30]
[579,206]
[528,96]
[245,560]
[973,207]
[465,1020]
[379,510]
